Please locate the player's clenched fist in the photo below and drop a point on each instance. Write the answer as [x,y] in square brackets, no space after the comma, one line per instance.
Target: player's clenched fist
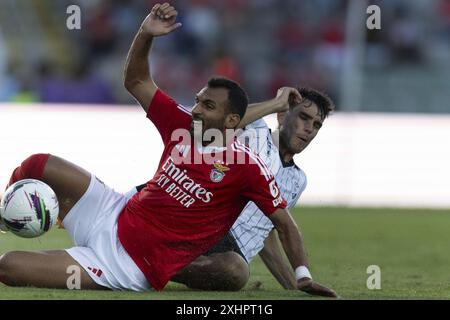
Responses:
[161,20]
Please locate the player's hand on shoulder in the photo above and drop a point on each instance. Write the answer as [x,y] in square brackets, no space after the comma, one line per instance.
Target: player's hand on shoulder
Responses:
[286,96]
[313,288]
[161,20]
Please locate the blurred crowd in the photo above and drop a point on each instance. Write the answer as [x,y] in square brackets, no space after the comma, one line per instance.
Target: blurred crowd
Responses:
[263,44]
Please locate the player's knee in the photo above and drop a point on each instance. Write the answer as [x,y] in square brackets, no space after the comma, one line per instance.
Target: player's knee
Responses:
[8,265]
[237,271]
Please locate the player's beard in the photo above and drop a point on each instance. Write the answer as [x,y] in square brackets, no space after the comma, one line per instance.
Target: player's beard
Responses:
[199,127]
[196,130]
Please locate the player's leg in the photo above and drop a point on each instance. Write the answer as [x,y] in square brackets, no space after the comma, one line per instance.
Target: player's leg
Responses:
[68,180]
[226,271]
[44,269]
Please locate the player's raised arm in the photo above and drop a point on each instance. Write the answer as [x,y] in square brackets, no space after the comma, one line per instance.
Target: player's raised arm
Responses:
[137,75]
[292,242]
[280,103]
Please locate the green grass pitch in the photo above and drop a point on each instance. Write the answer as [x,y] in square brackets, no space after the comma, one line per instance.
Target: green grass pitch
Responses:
[411,247]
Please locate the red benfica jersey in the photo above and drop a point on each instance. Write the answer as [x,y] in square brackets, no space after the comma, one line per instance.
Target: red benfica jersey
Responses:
[194,198]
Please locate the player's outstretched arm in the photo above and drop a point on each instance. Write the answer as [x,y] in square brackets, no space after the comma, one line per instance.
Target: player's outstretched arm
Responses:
[280,103]
[292,242]
[137,74]
[272,257]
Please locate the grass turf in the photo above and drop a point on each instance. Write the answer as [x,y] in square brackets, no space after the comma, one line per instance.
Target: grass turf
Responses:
[410,247]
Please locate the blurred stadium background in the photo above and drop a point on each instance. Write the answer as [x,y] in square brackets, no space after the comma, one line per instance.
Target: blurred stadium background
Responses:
[61,90]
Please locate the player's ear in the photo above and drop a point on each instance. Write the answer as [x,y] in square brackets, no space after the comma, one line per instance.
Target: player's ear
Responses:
[232,120]
[280,117]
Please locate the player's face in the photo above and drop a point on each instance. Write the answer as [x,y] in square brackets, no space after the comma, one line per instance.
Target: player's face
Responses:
[210,109]
[300,125]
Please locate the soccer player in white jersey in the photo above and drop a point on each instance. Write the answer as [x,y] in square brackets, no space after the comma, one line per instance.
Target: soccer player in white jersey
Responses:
[253,233]
[298,126]
[192,201]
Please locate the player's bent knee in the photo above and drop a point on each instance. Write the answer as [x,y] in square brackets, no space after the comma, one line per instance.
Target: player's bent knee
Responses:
[237,271]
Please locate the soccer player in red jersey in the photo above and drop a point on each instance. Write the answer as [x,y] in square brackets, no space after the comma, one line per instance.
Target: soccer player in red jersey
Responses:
[225,267]
[191,202]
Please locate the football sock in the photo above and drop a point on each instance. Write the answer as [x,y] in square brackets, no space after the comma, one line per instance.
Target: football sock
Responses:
[31,168]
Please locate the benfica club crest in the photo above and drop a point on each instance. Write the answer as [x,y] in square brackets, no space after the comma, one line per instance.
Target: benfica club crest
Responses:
[218,172]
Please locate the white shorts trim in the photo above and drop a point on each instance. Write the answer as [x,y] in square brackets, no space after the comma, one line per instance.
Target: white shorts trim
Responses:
[92,224]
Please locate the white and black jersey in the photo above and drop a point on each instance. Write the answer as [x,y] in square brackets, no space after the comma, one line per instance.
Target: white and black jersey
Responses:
[252,227]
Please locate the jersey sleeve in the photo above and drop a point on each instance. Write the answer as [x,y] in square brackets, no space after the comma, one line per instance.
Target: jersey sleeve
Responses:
[262,188]
[167,115]
[257,136]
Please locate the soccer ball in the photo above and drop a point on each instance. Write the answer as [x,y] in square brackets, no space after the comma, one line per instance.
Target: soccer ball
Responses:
[29,208]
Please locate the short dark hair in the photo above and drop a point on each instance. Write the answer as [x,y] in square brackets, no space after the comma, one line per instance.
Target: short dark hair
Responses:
[321,99]
[237,98]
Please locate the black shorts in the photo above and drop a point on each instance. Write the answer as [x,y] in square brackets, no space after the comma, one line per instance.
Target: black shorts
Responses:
[228,243]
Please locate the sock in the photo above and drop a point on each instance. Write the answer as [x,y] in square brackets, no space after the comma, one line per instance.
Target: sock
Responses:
[30,168]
